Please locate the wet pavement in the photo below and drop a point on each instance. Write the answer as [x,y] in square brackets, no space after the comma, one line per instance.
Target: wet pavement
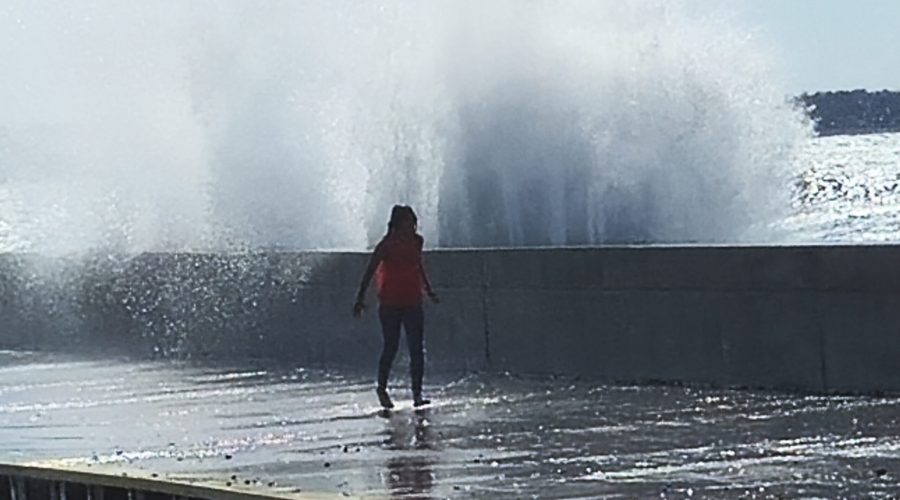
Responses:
[292,429]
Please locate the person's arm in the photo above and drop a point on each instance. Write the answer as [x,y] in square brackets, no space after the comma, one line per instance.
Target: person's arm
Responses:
[433,296]
[360,305]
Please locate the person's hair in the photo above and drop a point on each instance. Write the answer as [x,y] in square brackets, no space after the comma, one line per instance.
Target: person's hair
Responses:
[398,212]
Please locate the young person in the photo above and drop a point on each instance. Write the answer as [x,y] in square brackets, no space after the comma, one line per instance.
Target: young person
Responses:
[401,280]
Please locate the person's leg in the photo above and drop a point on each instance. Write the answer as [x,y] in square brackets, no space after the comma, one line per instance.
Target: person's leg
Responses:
[414,324]
[390,331]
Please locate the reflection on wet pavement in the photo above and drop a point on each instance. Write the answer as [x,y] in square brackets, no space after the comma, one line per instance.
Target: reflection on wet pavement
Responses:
[496,436]
[409,472]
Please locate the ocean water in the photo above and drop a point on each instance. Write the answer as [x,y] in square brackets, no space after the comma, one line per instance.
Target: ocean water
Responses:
[847,191]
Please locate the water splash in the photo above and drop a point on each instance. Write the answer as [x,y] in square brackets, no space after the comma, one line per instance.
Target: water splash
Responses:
[210,125]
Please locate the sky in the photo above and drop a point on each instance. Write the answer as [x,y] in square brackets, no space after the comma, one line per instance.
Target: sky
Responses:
[831,44]
[818,44]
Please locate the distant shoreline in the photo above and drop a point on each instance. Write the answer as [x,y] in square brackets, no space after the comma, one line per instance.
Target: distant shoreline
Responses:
[853,112]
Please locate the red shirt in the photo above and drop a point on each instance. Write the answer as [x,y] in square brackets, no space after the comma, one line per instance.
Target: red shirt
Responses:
[399,274]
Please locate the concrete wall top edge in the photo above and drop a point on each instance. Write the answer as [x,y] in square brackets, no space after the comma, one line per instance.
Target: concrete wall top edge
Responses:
[687,267]
[818,247]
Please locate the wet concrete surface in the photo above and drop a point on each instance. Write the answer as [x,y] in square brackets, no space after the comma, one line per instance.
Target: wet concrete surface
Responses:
[292,429]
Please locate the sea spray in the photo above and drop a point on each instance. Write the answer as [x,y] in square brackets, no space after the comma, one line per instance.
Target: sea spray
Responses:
[253,125]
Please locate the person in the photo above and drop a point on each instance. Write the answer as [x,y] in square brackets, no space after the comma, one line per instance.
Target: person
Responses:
[400,277]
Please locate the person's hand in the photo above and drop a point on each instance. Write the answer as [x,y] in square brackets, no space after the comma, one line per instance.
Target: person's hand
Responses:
[433,296]
[359,308]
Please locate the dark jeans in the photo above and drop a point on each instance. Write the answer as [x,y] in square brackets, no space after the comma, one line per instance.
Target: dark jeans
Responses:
[413,321]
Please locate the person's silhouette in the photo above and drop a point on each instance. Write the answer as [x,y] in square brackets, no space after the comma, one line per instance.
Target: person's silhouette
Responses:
[401,280]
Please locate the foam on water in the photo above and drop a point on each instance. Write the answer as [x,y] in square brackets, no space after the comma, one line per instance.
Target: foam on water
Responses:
[847,190]
[215,125]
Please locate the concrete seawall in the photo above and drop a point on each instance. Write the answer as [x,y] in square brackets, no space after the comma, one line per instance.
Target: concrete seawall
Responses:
[821,318]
